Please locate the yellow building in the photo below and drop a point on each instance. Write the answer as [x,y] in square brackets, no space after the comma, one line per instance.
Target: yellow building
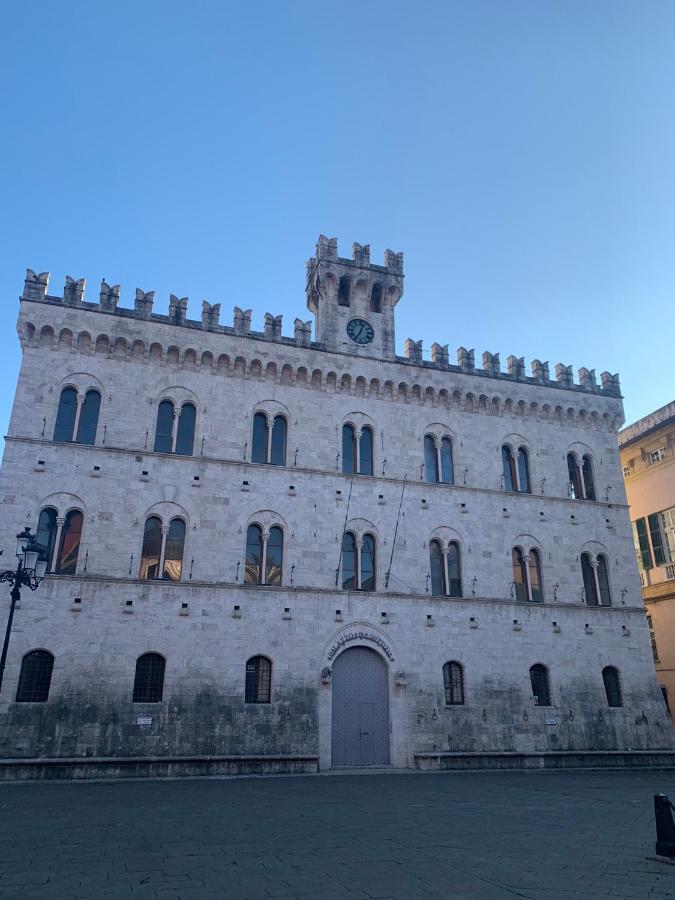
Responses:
[648,460]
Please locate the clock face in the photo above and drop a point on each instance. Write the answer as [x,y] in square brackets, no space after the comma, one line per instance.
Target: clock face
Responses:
[360,331]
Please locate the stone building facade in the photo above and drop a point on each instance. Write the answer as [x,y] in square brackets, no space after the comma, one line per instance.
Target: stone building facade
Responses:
[366,558]
[647,449]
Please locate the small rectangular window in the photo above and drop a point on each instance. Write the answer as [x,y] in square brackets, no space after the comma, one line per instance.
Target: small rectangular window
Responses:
[652,638]
[626,471]
[657,539]
[656,456]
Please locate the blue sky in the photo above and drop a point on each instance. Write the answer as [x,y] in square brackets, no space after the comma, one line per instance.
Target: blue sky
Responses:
[519,153]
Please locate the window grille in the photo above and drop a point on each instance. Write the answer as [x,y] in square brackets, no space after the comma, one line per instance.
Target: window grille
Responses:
[453,680]
[35,677]
[149,680]
[258,680]
[540,685]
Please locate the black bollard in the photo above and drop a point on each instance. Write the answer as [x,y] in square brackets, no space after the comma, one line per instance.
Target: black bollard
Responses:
[665,827]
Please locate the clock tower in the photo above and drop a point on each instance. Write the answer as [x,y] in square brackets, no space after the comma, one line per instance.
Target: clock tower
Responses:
[353,301]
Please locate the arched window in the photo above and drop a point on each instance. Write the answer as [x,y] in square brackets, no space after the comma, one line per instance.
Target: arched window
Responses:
[258,680]
[366,451]
[254,551]
[274,556]
[149,678]
[264,555]
[437,564]
[152,548]
[278,448]
[610,677]
[574,472]
[173,550]
[358,562]
[349,562]
[534,572]
[88,423]
[45,535]
[524,471]
[65,416]
[540,685]
[589,486]
[454,570]
[260,438]
[588,575]
[430,459]
[367,563]
[509,469]
[164,428]
[35,677]
[69,546]
[603,581]
[453,681]
[349,461]
[447,464]
[519,574]
[376,298]
[185,433]
[344,290]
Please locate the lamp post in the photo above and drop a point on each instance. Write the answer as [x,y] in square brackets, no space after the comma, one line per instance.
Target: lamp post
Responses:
[30,570]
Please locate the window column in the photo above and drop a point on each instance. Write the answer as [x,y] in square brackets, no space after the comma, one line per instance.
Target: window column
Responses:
[357,438]
[359,545]
[162,552]
[594,567]
[174,428]
[57,543]
[528,585]
[439,478]
[446,572]
[263,556]
[78,412]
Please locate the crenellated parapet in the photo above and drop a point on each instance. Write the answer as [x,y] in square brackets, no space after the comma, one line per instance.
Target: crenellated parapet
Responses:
[327,265]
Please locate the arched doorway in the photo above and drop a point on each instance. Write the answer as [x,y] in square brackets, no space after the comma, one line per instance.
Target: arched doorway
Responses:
[360,731]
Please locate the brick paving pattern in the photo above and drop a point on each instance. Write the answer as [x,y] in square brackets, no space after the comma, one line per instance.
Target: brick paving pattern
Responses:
[495,836]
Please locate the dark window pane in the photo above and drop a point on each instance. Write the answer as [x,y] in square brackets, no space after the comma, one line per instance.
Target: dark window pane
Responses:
[366,452]
[508,468]
[603,582]
[35,678]
[149,680]
[343,291]
[252,569]
[540,686]
[657,540]
[152,548]
[46,535]
[368,563]
[173,552]
[535,576]
[376,298]
[279,441]
[348,562]
[86,428]
[589,486]
[259,449]
[71,532]
[185,435]
[453,681]
[574,476]
[454,570]
[519,574]
[430,461]
[664,694]
[437,569]
[274,556]
[610,676]
[348,450]
[590,591]
[447,464]
[523,471]
[164,429]
[645,552]
[65,417]
[258,680]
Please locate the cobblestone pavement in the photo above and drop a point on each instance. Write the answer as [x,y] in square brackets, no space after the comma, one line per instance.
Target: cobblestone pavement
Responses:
[355,836]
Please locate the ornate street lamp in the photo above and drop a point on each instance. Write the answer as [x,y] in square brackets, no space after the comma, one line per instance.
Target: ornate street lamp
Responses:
[30,571]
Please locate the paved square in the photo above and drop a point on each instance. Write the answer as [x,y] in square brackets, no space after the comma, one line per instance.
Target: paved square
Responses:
[353,836]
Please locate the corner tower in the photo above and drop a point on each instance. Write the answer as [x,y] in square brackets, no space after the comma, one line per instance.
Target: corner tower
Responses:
[354,301]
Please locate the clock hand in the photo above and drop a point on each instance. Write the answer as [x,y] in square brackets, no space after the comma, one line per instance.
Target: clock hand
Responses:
[359,332]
